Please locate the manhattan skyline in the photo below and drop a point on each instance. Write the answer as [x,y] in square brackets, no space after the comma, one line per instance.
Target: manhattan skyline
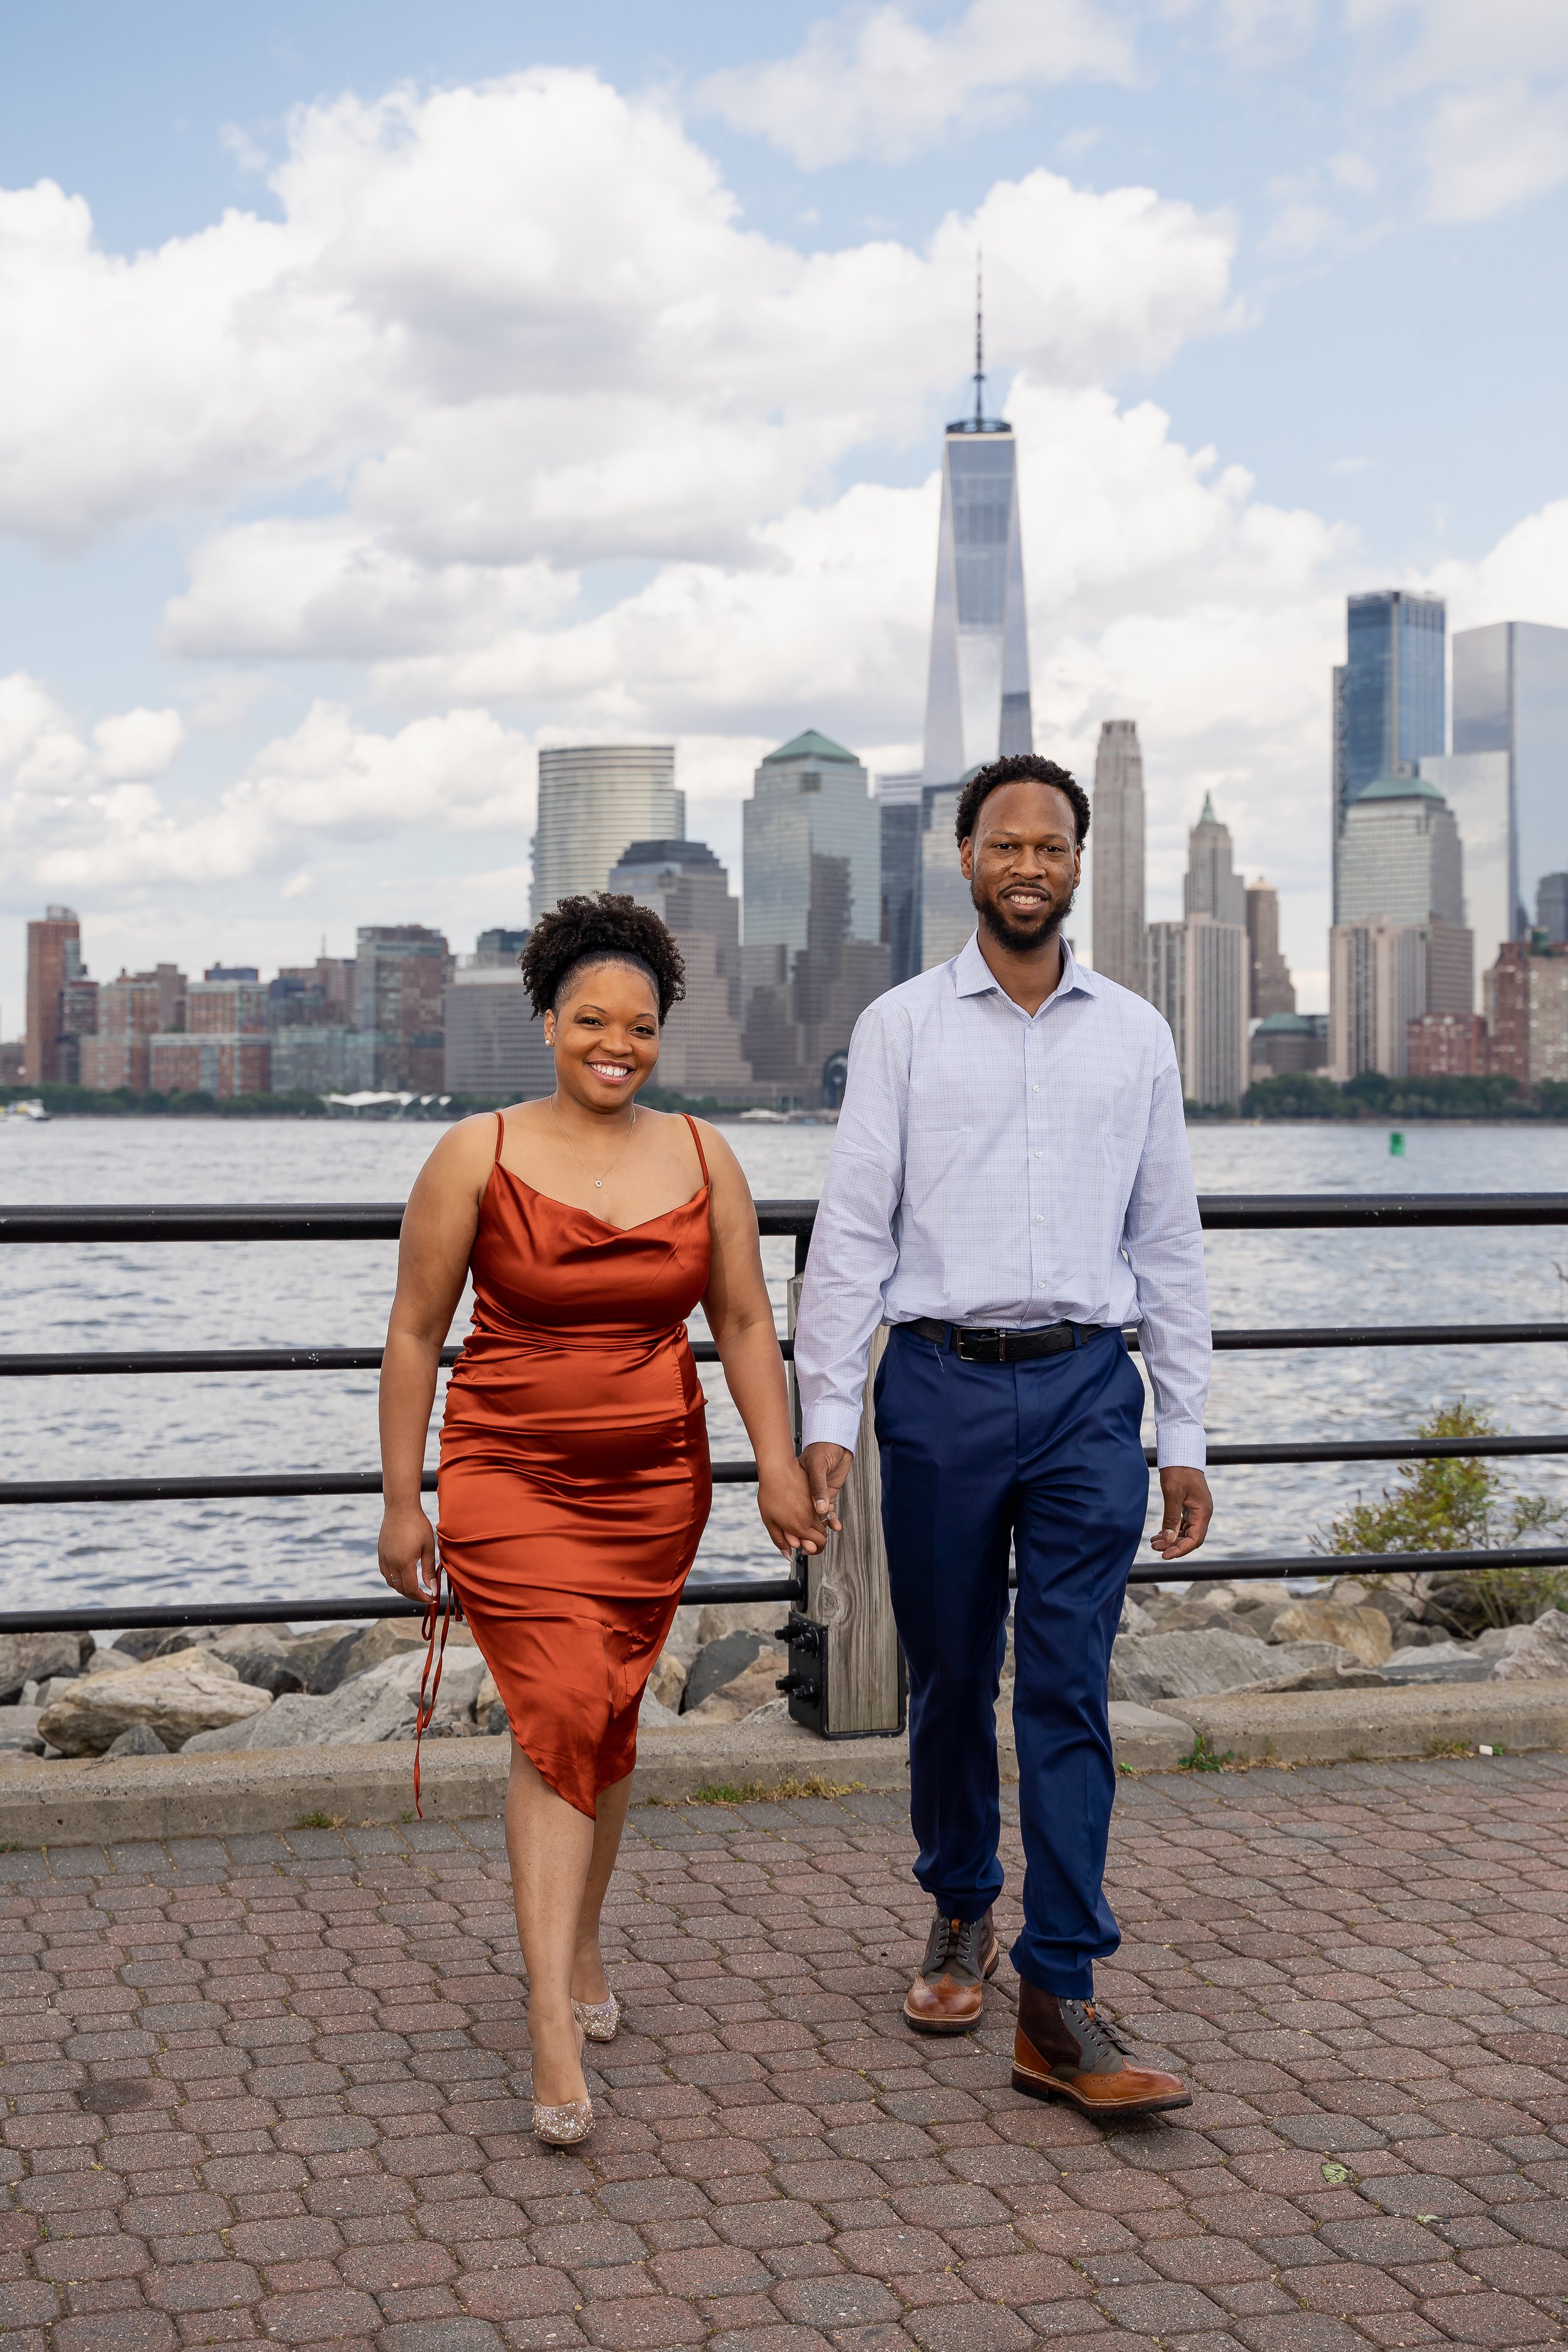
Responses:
[334,482]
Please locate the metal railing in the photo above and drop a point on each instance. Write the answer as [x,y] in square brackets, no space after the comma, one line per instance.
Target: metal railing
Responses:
[382,1221]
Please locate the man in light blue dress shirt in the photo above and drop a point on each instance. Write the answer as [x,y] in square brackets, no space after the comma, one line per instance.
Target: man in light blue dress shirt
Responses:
[1009,1187]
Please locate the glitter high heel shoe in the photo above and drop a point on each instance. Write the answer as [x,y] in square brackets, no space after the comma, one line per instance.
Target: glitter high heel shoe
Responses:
[565,2125]
[600,2020]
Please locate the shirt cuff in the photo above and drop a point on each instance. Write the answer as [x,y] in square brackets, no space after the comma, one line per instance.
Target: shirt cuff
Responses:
[831,1425]
[1181,1445]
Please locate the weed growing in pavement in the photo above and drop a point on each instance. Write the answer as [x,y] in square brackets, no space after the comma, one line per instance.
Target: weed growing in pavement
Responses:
[1449,1747]
[770,1792]
[321,1821]
[1203,1758]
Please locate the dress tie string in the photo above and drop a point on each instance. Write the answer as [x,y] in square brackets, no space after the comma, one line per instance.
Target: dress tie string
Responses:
[427,1709]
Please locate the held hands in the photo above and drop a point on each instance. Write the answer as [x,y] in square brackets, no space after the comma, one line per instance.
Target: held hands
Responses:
[783,1499]
[827,1467]
[1189,1508]
[405,1551]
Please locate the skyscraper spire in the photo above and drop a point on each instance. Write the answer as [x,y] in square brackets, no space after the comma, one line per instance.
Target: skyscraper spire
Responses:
[977,693]
[979,343]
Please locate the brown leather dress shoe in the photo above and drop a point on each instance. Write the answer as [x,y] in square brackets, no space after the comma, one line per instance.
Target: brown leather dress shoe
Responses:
[949,1992]
[1064,2051]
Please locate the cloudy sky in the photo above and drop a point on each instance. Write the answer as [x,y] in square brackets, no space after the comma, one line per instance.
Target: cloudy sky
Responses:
[388,389]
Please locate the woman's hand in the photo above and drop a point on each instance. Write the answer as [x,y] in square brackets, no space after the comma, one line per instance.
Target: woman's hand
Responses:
[783,1499]
[405,1551]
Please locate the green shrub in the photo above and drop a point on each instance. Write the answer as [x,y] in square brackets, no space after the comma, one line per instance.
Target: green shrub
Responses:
[1459,1503]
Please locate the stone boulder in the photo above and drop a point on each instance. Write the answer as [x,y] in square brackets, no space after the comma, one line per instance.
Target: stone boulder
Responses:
[179,1697]
[1149,1666]
[1438,1662]
[719,1662]
[1257,1608]
[667,1680]
[35,1657]
[365,1646]
[1321,1665]
[722,1617]
[741,1695]
[489,1708]
[19,1733]
[376,1705]
[140,1741]
[1535,1654]
[139,1642]
[307,1649]
[1355,1627]
[653,1716]
[1134,1618]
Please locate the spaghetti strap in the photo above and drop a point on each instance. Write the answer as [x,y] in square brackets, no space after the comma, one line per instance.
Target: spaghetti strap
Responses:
[501,1134]
[697,1140]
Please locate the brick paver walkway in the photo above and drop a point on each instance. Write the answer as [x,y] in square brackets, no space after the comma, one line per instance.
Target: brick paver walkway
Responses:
[276,2088]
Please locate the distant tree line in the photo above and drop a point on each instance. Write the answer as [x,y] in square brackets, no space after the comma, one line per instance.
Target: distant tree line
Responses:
[1372,1095]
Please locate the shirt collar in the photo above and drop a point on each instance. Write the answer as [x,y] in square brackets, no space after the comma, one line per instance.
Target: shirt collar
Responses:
[973,976]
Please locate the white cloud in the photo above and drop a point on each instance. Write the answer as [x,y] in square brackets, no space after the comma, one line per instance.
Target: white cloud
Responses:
[1525,577]
[71,823]
[1495,147]
[873,83]
[139,743]
[329,589]
[1489,88]
[524,322]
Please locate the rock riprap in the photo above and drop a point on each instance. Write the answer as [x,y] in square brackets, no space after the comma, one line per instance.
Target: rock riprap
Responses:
[378,1704]
[1361,1628]
[35,1657]
[178,1696]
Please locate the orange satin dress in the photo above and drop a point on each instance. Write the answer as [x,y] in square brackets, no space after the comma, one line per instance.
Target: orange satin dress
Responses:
[574,1480]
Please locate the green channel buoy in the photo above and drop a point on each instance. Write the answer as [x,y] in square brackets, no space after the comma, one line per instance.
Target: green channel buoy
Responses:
[1396,1144]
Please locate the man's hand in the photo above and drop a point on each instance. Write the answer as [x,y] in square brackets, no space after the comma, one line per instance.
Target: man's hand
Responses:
[1189,1508]
[827,1467]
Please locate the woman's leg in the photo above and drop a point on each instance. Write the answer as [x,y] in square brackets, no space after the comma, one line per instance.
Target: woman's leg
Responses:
[588,1979]
[550,1845]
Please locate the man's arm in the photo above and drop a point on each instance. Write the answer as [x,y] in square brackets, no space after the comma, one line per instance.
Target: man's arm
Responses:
[1165,1245]
[853,1252]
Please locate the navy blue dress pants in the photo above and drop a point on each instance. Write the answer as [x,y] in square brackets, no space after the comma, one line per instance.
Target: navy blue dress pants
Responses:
[1045,1458]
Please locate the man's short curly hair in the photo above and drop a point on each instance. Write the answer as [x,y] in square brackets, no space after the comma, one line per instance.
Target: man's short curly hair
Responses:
[605,928]
[1019,768]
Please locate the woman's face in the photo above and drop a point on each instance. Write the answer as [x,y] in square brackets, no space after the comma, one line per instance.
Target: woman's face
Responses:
[605,1034]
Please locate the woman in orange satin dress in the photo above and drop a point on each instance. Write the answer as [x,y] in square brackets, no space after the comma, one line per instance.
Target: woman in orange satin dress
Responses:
[575,1481]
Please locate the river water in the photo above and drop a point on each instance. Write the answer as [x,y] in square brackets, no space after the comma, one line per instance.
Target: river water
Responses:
[336,1294]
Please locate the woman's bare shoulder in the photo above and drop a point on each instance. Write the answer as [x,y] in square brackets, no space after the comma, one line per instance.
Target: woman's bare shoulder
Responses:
[462,1159]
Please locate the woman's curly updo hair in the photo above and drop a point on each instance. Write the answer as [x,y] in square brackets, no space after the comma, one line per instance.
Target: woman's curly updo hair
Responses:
[605,928]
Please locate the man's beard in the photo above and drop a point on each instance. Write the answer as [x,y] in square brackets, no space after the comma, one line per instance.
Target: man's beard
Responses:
[1014,937]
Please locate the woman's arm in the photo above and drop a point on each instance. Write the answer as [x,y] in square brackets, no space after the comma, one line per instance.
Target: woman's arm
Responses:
[439,1228]
[742,1322]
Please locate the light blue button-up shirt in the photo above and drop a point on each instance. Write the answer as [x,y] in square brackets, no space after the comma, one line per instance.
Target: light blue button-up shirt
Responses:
[995,1168]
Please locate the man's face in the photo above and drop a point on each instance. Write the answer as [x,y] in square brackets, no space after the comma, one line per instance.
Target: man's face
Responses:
[1022,862]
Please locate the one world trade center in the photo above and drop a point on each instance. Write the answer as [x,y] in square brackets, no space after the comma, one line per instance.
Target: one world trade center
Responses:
[978,699]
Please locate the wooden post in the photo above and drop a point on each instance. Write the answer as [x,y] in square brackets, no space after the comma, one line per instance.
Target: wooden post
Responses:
[847,1585]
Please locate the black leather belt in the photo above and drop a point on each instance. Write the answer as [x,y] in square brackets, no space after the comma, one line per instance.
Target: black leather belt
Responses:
[997,1345]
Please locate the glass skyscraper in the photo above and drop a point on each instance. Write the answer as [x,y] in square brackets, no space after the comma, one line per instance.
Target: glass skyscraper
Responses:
[595,799]
[1389,695]
[814,957]
[977,696]
[1506,779]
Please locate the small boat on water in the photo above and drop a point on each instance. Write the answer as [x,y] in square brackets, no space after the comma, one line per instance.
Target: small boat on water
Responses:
[32,1109]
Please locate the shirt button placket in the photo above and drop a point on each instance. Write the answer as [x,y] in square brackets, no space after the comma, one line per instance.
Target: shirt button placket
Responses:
[1035,1171]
